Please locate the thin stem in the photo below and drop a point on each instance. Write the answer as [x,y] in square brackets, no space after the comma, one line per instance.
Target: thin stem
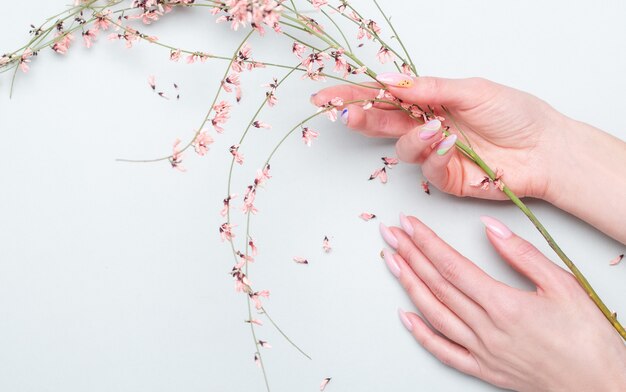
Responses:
[406,52]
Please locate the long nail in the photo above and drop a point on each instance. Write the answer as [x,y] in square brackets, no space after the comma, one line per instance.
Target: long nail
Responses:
[446,144]
[405,319]
[344,116]
[496,227]
[388,236]
[395,79]
[391,262]
[406,225]
[429,129]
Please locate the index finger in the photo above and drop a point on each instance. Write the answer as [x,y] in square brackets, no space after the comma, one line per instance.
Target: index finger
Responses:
[350,92]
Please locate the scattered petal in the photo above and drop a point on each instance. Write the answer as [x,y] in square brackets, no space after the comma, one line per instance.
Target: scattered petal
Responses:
[616,260]
[367,216]
[426,187]
[300,260]
[264,344]
[326,245]
[324,383]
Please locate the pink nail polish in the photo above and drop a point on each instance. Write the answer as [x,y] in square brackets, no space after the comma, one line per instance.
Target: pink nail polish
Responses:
[446,144]
[405,320]
[391,262]
[496,227]
[406,225]
[388,236]
[395,79]
[429,129]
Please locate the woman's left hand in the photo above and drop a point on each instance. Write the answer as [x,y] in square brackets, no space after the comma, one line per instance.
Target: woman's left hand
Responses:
[550,339]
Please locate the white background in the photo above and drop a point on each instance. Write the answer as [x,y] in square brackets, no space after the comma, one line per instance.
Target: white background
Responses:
[113,276]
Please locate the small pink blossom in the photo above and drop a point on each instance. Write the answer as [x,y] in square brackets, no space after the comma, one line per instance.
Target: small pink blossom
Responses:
[326,245]
[248,200]
[254,321]
[261,124]
[257,360]
[152,82]
[426,187]
[226,232]
[300,260]
[201,143]
[262,175]
[175,55]
[25,59]
[256,297]
[389,161]
[234,150]
[298,49]
[89,36]
[385,55]
[226,207]
[308,135]
[367,216]
[176,158]
[222,114]
[330,108]
[317,4]
[102,21]
[252,246]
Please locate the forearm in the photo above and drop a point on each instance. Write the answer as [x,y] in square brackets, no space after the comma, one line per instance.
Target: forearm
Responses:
[588,177]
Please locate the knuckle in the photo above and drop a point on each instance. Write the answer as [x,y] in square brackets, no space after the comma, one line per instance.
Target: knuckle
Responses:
[449,268]
[438,321]
[526,251]
[441,291]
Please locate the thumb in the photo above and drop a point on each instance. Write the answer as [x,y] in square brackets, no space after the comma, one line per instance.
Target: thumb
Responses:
[523,256]
[426,90]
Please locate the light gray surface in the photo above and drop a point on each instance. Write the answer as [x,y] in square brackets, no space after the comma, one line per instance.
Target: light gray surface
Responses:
[113,278]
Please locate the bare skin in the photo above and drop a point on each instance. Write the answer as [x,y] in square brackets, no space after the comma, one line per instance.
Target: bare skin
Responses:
[500,334]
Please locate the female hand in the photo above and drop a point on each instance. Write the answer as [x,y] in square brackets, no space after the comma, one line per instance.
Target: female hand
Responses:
[508,128]
[550,339]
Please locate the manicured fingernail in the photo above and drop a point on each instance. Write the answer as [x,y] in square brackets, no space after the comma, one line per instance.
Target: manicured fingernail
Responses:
[496,227]
[405,319]
[429,129]
[446,144]
[344,116]
[388,236]
[391,262]
[395,79]
[406,225]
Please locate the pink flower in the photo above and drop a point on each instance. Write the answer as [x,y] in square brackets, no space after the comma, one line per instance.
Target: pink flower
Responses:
[226,207]
[256,298]
[330,108]
[102,21]
[261,124]
[222,114]
[248,200]
[89,36]
[326,245]
[63,42]
[426,187]
[257,360]
[384,55]
[298,49]
[234,150]
[226,232]
[262,176]
[176,158]
[300,260]
[317,4]
[616,260]
[201,143]
[175,55]
[25,59]
[308,135]
[367,216]
[315,59]
[252,246]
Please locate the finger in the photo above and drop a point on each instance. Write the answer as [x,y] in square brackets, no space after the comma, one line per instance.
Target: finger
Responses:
[435,165]
[447,352]
[349,92]
[453,267]
[415,145]
[445,292]
[437,314]
[377,122]
[523,256]
[424,90]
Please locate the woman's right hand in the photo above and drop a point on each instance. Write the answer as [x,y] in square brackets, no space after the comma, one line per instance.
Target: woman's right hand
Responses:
[509,129]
